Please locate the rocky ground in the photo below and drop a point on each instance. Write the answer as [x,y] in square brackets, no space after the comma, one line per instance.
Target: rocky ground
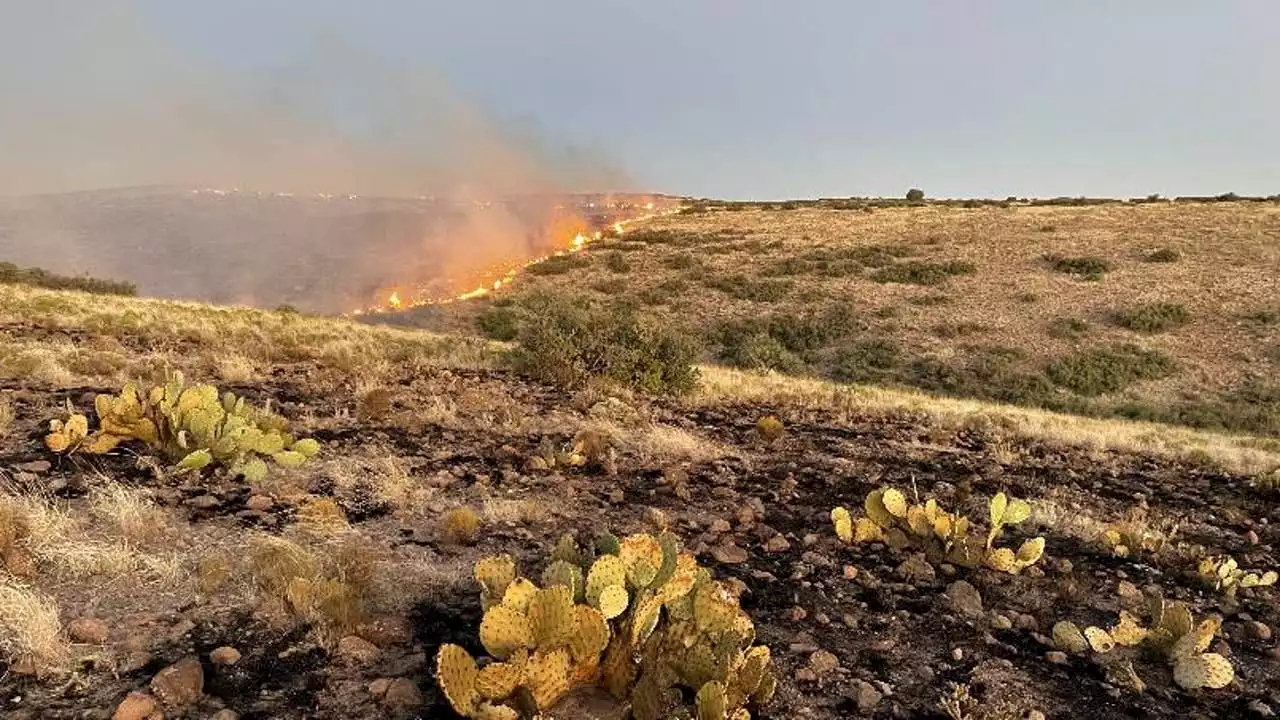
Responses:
[860,630]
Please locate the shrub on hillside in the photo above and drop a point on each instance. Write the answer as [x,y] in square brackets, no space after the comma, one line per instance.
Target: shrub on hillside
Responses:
[923,273]
[497,323]
[14,275]
[1108,369]
[1088,268]
[915,195]
[1153,317]
[569,341]
[1163,255]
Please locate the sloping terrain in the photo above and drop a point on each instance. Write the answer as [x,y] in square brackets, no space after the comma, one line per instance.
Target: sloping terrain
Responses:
[1162,311]
[123,575]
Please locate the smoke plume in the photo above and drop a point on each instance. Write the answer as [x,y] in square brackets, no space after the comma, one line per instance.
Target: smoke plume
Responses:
[336,173]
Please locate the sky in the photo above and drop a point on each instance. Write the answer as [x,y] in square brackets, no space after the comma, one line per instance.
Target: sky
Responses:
[747,99]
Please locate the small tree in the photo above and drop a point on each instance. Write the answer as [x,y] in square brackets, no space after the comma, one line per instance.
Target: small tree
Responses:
[915,195]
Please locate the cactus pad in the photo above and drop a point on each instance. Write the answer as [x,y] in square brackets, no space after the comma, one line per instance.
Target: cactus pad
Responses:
[645,619]
[505,630]
[1196,641]
[487,711]
[497,681]
[605,571]
[894,502]
[457,675]
[612,601]
[1207,670]
[591,634]
[1067,637]
[711,702]
[1002,559]
[518,594]
[843,522]
[564,574]
[547,677]
[495,573]
[682,579]
[551,617]
[1100,640]
[1128,631]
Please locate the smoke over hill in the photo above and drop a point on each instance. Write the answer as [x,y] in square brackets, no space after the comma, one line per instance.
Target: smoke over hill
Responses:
[98,98]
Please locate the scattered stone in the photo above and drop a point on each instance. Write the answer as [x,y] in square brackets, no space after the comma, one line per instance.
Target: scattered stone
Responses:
[964,599]
[1257,708]
[225,655]
[957,654]
[657,518]
[1252,537]
[1035,715]
[868,696]
[917,570]
[402,694]
[88,630]
[948,569]
[1258,630]
[822,619]
[777,544]
[355,649]
[259,503]
[36,466]
[19,563]
[1064,566]
[1026,623]
[1128,591]
[720,525]
[225,714]
[1057,657]
[617,496]
[798,613]
[387,631]
[133,660]
[729,553]
[805,675]
[136,706]
[823,663]
[1001,622]
[378,688]
[850,572]
[810,539]
[204,502]
[180,684]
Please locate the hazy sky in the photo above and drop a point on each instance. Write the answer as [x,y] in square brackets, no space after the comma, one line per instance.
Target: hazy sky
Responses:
[734,98]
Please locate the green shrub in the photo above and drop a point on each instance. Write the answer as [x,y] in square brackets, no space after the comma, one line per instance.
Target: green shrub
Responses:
[37,277]
[498,323]
[951,330]
[1152,317]
[930,300]
[987,374]
[866,361]
[741,287]
[915,195]
[1068,328]
[801,335]
[1088,268]
[1263,316]
[759,351]
[617,262]
[610,286]
[559,264]
[1027,297]
[1163,255]
[1108,369]
[569,340]
[680,261]
[923,273]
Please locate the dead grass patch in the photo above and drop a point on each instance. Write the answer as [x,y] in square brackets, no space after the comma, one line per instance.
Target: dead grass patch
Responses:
[30,629]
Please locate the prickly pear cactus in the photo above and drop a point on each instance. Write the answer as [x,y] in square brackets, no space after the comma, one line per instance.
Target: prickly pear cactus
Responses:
[945,537]
[1223,573]
[640,620]
[192,426]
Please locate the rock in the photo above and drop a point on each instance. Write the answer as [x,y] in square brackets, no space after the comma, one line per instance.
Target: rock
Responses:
[1001,622]
[225,714]
[823,663]
[957,654]
[777,544]
[259,503]
[225,655]
[1128,591]
[804,675]
[965,599]
[1035,715]
[797,613]
[136,706]
[36,466]
[850,572]
[1057,657]
[719,526]
[729,553]
[810,539]
[868,696]
[1257,630]
[387,631]
[1064,566]
[88,630]
[133,660]
[18,562]
[204,502]
[402,694]
[1252,538]
[378,688]
[357,650]
[180,684]
[1026,623]
[916,570]
[657,519]
[1257,708]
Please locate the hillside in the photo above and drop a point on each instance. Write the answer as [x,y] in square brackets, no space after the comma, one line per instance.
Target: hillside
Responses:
[124,575]
[1160,311]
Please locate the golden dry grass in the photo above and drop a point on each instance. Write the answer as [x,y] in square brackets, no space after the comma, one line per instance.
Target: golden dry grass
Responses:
[30,629]
[6,415]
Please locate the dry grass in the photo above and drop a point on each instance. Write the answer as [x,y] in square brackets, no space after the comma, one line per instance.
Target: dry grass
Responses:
[325,583]
[130,513]
[7,415]
[1237,453]
[30,630]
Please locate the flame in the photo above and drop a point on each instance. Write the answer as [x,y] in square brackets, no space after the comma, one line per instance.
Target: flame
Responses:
[565,225]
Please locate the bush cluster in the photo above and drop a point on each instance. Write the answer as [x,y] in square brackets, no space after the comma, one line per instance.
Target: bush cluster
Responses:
[37,277]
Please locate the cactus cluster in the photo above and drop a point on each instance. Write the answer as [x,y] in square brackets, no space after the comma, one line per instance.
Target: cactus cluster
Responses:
[191,425]
[1174,635]
[944,536]
[1223,573]
[1137,534]
[640,620]
[551,456]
